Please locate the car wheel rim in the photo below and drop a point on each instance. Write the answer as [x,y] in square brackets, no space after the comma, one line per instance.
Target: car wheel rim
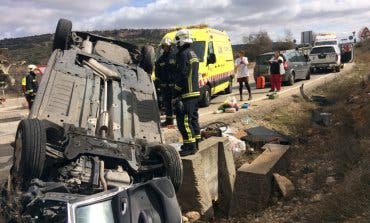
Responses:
[207,96]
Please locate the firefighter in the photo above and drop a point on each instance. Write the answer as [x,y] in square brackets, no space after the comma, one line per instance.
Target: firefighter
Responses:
[165,69]
[30,85]
[187,93]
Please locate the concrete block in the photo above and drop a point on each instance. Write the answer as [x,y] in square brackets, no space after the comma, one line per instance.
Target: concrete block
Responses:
[208,176]
[285,185]
[253,183]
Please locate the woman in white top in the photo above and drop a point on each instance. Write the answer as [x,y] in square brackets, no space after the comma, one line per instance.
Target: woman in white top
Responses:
[242,73]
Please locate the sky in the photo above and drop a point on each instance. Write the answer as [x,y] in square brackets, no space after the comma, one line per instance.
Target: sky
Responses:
[239,18]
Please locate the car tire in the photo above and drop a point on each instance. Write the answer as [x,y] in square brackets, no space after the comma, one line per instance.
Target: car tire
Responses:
[147,59]
[29,152]
[312,70]
[291,79]
[205,96]
[62,34]
[229,89]
[171,161]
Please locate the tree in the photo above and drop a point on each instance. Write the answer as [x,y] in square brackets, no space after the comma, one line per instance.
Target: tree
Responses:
[288,36]
[260,42]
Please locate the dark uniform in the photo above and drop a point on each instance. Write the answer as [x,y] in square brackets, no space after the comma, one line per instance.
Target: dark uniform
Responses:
[30,87]
[165,69]
[187,89]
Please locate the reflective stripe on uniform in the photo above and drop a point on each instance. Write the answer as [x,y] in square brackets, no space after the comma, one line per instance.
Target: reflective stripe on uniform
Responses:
[197,136]
[194,60]
[188,130]
[178,87]
[192,94]
[24,82]
[190,141]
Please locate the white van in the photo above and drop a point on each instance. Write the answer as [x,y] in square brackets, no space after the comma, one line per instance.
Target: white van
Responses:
[326,57]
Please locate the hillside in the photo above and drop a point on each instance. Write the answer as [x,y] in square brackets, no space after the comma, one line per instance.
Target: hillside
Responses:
[37,49]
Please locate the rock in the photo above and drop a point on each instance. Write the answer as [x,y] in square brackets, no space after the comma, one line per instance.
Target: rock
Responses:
[185,219]
[316,198]
[192,216]
[330,180]
[286,186]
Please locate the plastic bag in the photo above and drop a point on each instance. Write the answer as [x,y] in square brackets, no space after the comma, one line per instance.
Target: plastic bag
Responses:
[237,146]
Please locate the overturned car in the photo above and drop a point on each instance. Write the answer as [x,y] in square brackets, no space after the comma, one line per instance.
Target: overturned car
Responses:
[93,134]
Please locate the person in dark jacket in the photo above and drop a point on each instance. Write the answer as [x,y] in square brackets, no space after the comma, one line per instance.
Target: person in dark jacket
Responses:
[165,69]
[276,71]
[30,85]
[187,93]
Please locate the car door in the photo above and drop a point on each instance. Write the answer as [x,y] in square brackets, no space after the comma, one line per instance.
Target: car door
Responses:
[296,66]
[305,65]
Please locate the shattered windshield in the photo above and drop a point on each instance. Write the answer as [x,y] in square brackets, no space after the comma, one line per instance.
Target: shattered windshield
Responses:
[101,212]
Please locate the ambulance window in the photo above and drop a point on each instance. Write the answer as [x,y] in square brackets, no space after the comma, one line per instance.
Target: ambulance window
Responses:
[210,48]
[199,49]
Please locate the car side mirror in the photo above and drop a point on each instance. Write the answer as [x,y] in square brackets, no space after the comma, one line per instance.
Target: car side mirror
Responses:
[211,58]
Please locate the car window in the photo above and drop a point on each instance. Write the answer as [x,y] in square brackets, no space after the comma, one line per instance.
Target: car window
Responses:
[101,212]
[289,56]
[325,49]
[263,59]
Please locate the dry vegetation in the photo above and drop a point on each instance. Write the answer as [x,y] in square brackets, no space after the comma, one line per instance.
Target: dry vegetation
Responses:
[330,164]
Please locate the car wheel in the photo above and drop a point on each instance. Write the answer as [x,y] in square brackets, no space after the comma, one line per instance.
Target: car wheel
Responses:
[29,152]
[312,70]
[337,69]
[308,75]
[229,89]
[205,97]
[172,164]
[62,34]
[147,59]
[291,79]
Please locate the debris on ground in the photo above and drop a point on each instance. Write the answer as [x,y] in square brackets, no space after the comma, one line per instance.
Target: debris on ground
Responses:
[321,118]
[259,136]
[272,95]
[192,216]
[244,106]
[285,185]
[229,106]
[320,100]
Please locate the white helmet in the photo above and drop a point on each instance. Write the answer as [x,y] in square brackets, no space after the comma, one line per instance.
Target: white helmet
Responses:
[166,41]
[182,37]
[31,67]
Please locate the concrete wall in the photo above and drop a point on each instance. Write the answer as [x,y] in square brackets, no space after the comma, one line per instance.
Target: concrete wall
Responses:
[209,176]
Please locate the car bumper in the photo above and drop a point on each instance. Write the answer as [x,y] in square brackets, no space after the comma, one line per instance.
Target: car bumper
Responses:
[324,66]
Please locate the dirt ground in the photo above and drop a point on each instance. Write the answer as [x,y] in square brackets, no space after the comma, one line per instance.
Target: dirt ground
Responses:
[330,165]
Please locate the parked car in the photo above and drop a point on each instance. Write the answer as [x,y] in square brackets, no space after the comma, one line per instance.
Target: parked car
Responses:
[94,127]
[298,66]
[326,57]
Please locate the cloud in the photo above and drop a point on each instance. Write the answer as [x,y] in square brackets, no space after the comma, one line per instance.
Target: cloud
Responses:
[238,17]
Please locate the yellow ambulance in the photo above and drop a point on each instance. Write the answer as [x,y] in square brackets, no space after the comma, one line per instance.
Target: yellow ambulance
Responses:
[216,61]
